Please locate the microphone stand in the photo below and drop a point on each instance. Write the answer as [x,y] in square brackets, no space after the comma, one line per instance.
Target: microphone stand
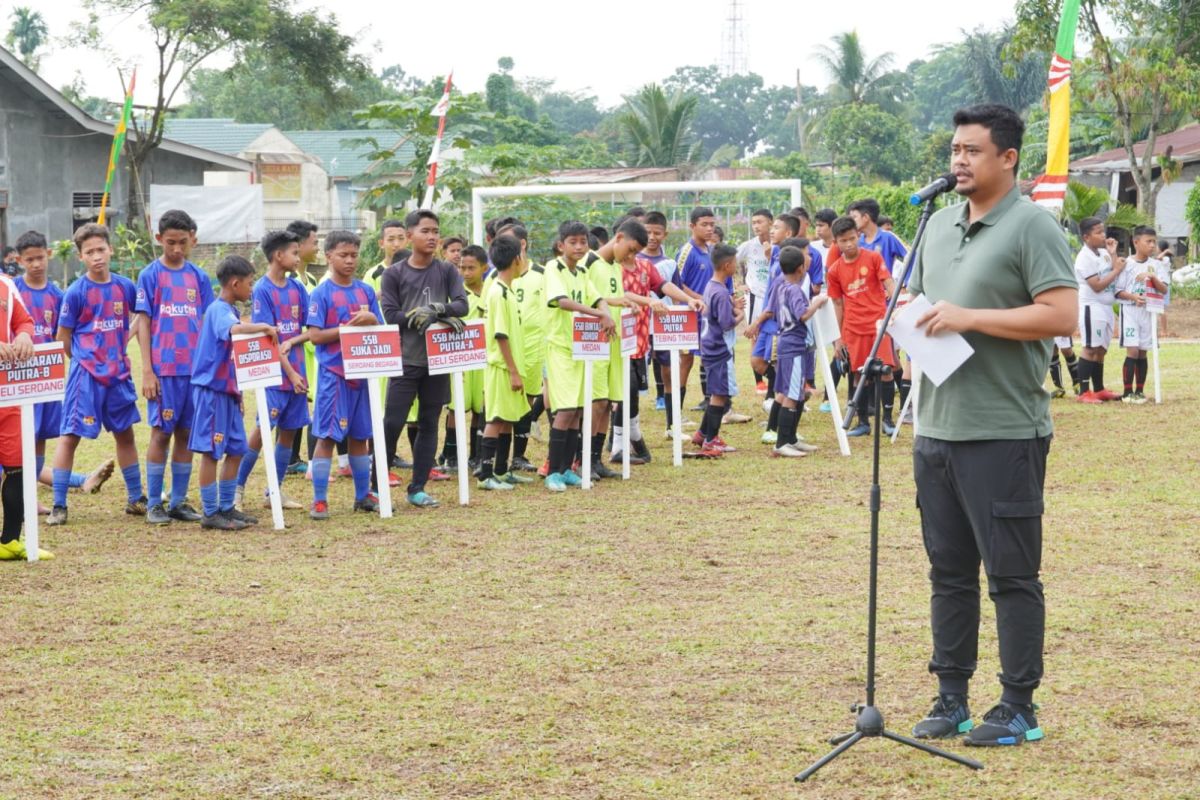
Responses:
[868,719]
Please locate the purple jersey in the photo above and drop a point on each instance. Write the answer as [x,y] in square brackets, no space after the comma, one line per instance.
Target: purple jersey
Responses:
[175,301]
[213,364]
[99,316]
[285,307]
[716,320]
[331,306]
[790,304]
[43,305]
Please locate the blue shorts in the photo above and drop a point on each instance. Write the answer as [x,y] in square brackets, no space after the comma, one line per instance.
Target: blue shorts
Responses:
[47,420]
[218,429]
[342,408]
[90,404]
[173,408]
[663,357]
[717,371]
[288,411]
[763,345]
[789,376]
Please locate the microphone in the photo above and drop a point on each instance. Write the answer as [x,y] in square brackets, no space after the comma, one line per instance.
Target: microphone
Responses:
[939,186]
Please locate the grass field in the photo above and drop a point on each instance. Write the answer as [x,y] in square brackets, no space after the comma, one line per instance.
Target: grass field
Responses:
[689,634]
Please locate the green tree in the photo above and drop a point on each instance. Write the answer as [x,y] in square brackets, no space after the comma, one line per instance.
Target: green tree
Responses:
[570,112]
[186,33]
[659,128]
[1192,213]
[27,33]
[1082,201]
[871,141]
[858,79]
[504,97]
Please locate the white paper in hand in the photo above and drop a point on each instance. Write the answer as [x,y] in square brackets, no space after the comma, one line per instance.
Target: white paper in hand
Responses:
[938,355]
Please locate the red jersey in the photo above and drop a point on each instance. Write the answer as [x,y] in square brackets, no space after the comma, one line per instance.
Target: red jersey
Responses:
[643,279]
[14,320]
[859,285]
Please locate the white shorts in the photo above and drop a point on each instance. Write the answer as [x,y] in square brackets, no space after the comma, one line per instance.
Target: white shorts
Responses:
[1064,342]
[1096,325]
[1135,329]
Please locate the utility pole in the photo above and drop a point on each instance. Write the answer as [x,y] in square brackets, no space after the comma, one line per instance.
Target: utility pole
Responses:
[733,50]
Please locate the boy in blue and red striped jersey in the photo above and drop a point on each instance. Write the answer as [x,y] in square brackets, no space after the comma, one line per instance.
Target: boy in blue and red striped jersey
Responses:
[172,296]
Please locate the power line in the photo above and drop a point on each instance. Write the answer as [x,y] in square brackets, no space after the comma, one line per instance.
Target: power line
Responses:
[733,44]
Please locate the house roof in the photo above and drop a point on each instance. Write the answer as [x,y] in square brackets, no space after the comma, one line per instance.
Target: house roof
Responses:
[1184,144]
[607,175]
[223,135]
[53,102]
[347,153]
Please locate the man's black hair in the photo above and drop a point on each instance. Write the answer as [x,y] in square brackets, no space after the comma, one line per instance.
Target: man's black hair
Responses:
[489,228]
[719,232]
[868,206]
[505,250]
[516,230]
[826,215]
[389,223]
[571,228]
[800,212]
[655,218]
[334,238]
[790,259]
[1088,224]
[27,240]
[277,240]
[414,217]
[842,225]
[798,242]
[302,228]
[601,234]
[633,229]
[722,253]
[618,222]
[699,213]
[233,267]
[8,248]
[762,212]
[1140,230]
[792,223]
[884,220]
[636,211]
[1005,126]
[453,240]
[476,252]
[505,222]
[176,220]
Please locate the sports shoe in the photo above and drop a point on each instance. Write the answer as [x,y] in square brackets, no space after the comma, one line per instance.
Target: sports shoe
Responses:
[1106,396]
[285,502]
[888,426]
[393,480]
[599,470]
[669,434]
[184,513]
[493,483]
[400,463]
[423,500]
[571,478]
[239,496]
[734,418]
[58,516]
[1090,398]
[435,474]
[705,451]
[157,515]
[1006,725]
[319,510]
[239,516]
[769,437]
[514,478]
[660,404]
[788,451]
[136,508]
[449,466]
[907,418]
[861,429]
[697,438]
[767,404]
[701,406]
[369,504]
[825,408]
[717,443]
[1140,399]
[544,469]
[96,478]
[1127,397]
[804,446]
[343,472]
[522,464]
[554,483]
[761,387]
[949,716]
[1058,393]
[221,521]
[618,458]
[641,451]
[299,468]
[15,551]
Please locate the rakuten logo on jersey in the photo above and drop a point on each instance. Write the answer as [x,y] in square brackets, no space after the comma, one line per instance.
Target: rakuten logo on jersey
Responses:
[109,325]
[176,310]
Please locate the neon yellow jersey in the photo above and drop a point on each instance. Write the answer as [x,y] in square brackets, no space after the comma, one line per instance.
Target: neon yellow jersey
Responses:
[531,295]
[563,282]
[504,319]
[476,304]
[608,282]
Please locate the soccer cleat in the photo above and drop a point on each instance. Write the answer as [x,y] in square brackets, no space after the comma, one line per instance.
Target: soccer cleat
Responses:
[435,474]
[522,464]
[1140,399]
[136,508]
[669,434]
[96,478]
[949,716]
[513,478]
[825,408]
[285,502]
[861,429]
[369,504]
[238,516]
[767,405]
[221,521]
[239,496]
[184,513]
[423,500]
[393,480]
[769,437]
[571,478]
[449,466]
[299,468]
[641,451]
[555,483]
[702,406]
[788,451]
[697,438]
[399,463]
[344,472]
[1006,724]
[888,426]
[1058,393]
[717,443]
[660,404]
[58,516]
[15,551]
[1127,397]
[734,418]
[618,458]
[761,387]
[544,469]
[1090,398]
[157,515]
[1106,396]
[599,470]
[494,483]
[319,510]
[804,446]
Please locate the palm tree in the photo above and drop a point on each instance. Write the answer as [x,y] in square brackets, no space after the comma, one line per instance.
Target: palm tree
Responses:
[28,33]
[658,127]
[857,79]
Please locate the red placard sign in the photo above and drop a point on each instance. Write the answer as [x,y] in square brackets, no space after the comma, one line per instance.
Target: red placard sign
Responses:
[589,342]
[371,351]
[256,361]
[678,329]
[450,351]
[41,379]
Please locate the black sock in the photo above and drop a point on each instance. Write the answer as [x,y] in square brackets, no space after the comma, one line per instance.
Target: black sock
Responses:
[575,447]
[758,376]
[450,446]
[1097,376]
[670,409]
[1140,369]
[683,400]
[770,373]
[703,380]
[503,446]
[1085,375]
[558,449]
[1056,372]
[658,380]
[1073,369]
[863,416]
[536,406]
[597,446]
[297,445]
[1127,372]
[487,452]
[787,426]
[773,416]
[476,440]
[521,435]
[889,398]
[13,494]
[712,421]
[905,387]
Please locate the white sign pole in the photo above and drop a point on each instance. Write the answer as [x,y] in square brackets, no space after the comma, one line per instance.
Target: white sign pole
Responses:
[1154,356]
[677,427]
[909,402]
[587,425]
[626,439]
[381,465]
[264,425]
[29,481]
[915,395]
[460,437]
[835,411]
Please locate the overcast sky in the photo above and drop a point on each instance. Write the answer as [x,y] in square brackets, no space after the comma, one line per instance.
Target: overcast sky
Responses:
[607,50]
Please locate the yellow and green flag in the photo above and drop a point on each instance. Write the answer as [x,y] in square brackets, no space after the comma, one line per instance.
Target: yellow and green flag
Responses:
[118,145]
[1052,187]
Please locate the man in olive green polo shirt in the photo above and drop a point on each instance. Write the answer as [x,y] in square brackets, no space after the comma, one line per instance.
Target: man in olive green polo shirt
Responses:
[999,271]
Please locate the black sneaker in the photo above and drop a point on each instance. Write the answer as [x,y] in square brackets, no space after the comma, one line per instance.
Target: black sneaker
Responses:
[618,458]
[237,516]
[642,451]
[221,521]
[368,504]
[948,717]
[184,513]
[157,515]
[1006,725]
[400,463]
[136,508]
[522,464]
[601,471]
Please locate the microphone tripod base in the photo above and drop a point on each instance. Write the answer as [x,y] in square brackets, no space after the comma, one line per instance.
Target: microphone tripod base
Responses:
[869,723]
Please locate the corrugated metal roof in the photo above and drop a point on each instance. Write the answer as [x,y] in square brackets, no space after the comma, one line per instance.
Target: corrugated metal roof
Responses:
[604,175]
[222,135]
[1185,144]
[345,154]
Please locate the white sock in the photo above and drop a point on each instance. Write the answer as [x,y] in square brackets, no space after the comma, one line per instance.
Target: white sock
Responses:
[618,438]
[344,461]
[635,429]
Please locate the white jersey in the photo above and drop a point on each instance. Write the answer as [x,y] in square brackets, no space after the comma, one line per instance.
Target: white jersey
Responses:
[1089,264]
[823,249]
[1128,281]
[757,265]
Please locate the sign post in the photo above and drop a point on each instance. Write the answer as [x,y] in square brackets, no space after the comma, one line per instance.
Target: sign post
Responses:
[41,379]
[456,353]
[677,329]
[370,352]
[1156,305]
[628,348]
[825,329]
[257,366]
[910,402]
[588,344]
